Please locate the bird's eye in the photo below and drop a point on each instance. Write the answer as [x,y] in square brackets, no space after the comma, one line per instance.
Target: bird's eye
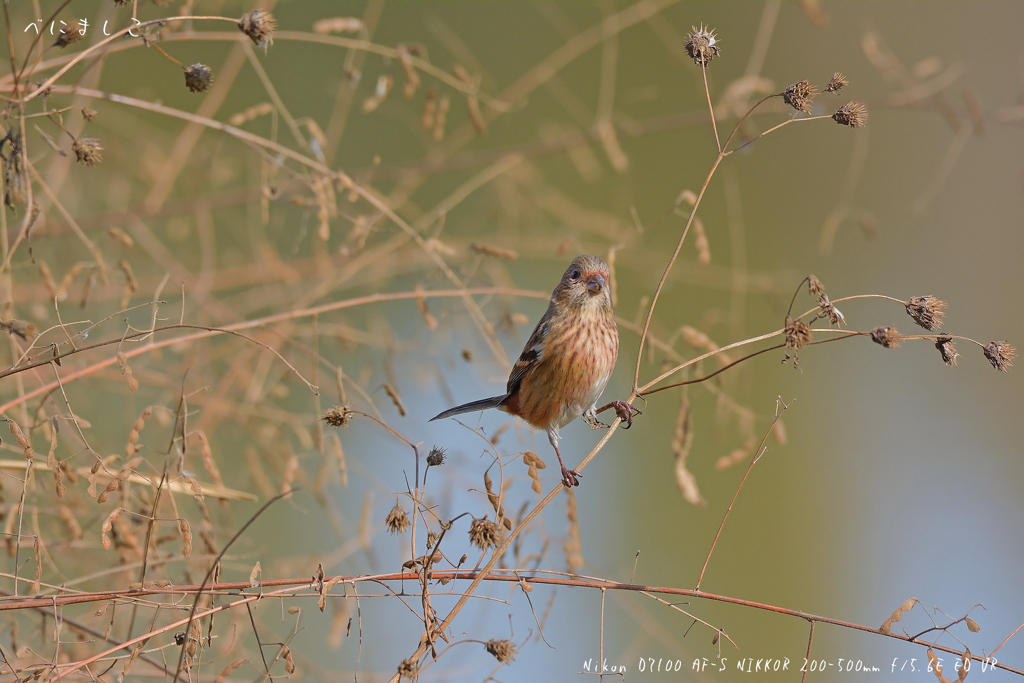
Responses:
[575,275]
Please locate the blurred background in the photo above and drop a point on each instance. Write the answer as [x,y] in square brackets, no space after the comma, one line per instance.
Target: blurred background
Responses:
[895,477]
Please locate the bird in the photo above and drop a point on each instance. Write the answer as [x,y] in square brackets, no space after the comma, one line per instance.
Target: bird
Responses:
[567,361]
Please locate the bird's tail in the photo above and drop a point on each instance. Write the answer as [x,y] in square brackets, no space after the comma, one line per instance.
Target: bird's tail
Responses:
[472,407]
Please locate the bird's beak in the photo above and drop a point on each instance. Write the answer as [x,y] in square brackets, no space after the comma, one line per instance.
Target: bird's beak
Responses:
[595,283]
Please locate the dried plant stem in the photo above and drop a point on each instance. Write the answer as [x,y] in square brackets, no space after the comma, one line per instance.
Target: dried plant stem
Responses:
[249,324]
[753,461]
[711,108]
[286,587]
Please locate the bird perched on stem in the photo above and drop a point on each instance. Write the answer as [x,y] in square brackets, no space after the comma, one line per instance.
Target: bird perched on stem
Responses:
[567,361]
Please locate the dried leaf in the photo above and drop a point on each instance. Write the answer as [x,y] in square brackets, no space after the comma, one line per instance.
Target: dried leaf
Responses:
[972,625]
[256,571]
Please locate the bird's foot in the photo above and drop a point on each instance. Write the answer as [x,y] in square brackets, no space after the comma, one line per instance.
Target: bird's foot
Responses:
[593,422]
[624,411]
[570,477]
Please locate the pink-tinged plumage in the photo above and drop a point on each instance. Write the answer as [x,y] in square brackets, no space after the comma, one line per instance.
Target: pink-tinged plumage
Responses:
[567,361]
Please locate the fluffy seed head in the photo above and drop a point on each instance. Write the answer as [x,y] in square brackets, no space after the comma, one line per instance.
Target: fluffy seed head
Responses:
[259,26]
[889,337]
[397,521]
[436,457]
[483,533]
[338,416]
[1000,354]
[502,650]
[927,311]
[198,77]
[853,114]
[701,45]
[800,95]
[87,151]
[947,350]
[837,81]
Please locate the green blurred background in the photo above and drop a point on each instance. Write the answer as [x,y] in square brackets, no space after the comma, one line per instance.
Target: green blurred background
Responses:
[900,476]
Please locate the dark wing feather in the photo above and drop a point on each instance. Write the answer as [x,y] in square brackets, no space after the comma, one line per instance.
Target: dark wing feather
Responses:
[532,352]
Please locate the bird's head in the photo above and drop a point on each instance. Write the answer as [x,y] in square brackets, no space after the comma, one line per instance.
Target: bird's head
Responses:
[585,285]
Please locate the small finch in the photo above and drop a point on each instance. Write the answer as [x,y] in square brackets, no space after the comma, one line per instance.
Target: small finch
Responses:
[567,361]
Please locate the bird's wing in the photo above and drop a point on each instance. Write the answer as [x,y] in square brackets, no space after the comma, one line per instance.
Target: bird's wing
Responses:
[532,353]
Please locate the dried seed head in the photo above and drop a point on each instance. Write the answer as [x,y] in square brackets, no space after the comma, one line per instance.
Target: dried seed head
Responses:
[1000,354]
[837,81]
[826,309]
[502,650]
[798,334]
[87,151]
[431,539]
[407,669]
[888,337]
[338,416]
[701,45]
[198,77]
[483,533]
[397,521]
[88,114]
[259,26]
[436,457]
[72,33]
[800,95]
[853,114]
[947,350]
[927,311]
[814,285]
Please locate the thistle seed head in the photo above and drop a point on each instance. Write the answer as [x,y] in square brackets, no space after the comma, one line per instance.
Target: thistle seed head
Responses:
[837,81]
[1000,354]
[483,533]
[397,521]
[889,337]
[947,350]
[87,151]
[800,95]
[436,457]
[338,416]
[198,77]
[927,311]
[701,45]
[853,114]
[259,25]
[502,650]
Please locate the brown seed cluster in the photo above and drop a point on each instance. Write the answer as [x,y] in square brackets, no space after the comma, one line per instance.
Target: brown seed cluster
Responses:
[837,81]
[436,457]
[87,151]
[88,114]
[702,46]
[947,350]
[69,34]
[502,650]
[198,77]
[397,521]
[927,311]
[483,533]
[889,337]
[259,25]
[800,95]
[1000,354]
[338,416]
[853,114]
[798,334]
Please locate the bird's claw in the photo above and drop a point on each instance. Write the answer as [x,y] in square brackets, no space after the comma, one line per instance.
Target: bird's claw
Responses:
[570,477]
[624,412]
